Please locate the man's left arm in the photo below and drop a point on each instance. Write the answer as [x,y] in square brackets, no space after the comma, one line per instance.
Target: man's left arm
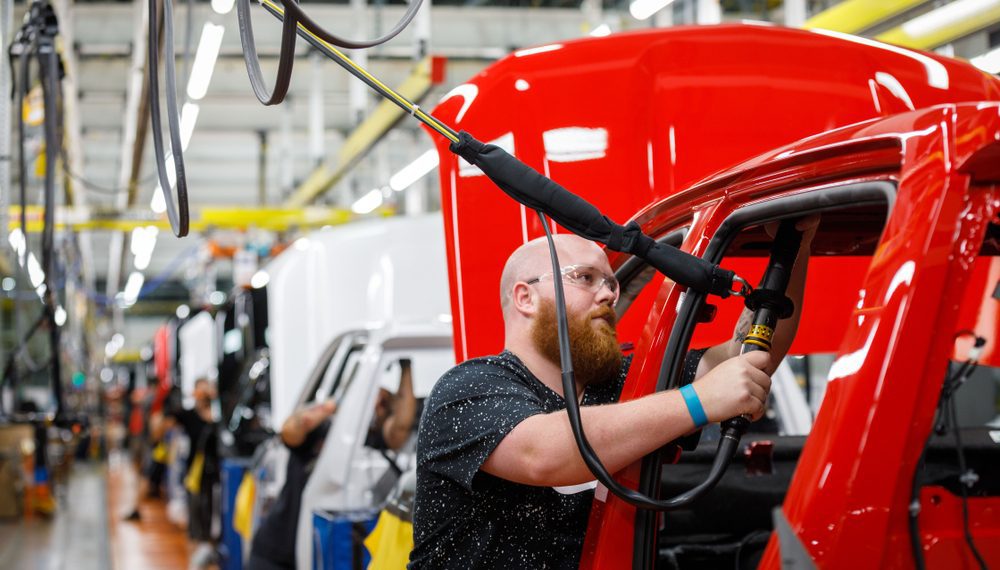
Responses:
[784,332]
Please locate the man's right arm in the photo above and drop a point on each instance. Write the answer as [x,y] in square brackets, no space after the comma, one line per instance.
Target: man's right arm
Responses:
[541,449]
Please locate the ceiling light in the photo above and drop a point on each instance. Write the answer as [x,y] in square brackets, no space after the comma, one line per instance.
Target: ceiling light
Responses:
[368,202]
[158,204]
[132,288]
[260,279]
[223,6]
[142,244]
[60,316]
[643,9]
[217,297]
[204,60]
[988,62]
[414,171]
[9,283]
[35,272]
[189,116]
[182,311]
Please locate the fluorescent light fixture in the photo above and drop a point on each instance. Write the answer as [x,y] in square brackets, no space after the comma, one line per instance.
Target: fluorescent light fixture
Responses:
[143,243]
[115,344]
[945,16]
[223,6]
[189,116]
[18,244]
[643,9]
[414,171]
[536,50]
[988,62]
[60,316]
[368,202]
[132,288]
[158,204]
[204,60]
[35,272]
[601,31]
[260,279]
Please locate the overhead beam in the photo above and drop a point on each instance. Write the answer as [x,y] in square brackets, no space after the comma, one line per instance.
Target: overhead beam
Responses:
[941,26]
[425,75]
[853,16]
[202,219]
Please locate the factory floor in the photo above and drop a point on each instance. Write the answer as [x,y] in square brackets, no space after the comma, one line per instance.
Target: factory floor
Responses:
[88,530]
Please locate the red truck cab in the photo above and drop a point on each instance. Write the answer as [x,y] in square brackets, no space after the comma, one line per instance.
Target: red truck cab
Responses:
[703,135]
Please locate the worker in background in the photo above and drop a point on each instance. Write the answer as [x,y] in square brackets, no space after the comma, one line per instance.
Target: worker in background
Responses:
[201,466]
[303,433]
[500,481]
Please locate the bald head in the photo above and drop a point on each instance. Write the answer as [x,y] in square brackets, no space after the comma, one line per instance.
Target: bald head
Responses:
[532,259]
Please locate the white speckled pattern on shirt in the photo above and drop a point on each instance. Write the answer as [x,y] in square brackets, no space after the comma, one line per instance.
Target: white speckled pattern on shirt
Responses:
[465,518]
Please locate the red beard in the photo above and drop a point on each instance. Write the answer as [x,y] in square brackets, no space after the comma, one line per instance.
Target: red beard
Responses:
[597,358]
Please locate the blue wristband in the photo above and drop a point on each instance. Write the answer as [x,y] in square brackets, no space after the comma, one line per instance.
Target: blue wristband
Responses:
[694,406]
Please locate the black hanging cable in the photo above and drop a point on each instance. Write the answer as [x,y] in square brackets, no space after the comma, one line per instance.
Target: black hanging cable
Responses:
[50,70]
[963,481]
[37,37]
[22,48]
[177,208]
[293,8]
[286,57]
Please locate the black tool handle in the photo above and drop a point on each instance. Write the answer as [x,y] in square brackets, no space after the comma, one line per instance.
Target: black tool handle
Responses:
[767,308]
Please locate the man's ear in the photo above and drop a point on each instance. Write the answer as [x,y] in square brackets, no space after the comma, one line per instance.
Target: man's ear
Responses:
[523,299]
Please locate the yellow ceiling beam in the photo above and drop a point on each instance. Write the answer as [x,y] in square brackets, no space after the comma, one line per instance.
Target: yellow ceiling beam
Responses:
[426,72]
[202,219]
[853,16]
[937,28]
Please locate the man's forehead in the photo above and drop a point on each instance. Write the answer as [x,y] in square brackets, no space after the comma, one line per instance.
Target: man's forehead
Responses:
[571,250]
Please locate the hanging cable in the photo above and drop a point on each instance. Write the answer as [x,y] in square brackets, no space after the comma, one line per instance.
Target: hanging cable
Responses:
[328,49]
[177,207]
[37,38]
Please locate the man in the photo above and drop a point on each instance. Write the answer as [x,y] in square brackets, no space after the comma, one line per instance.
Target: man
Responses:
[303,433]
[201,473]
[496,456]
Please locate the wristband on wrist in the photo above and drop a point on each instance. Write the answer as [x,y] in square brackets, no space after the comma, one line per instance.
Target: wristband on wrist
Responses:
[694,406]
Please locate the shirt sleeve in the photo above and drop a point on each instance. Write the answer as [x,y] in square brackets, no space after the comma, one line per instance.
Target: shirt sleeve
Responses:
[467,415]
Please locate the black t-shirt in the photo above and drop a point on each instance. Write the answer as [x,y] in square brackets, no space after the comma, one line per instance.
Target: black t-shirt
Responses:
[194,426]
[273,544]
[465,518]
